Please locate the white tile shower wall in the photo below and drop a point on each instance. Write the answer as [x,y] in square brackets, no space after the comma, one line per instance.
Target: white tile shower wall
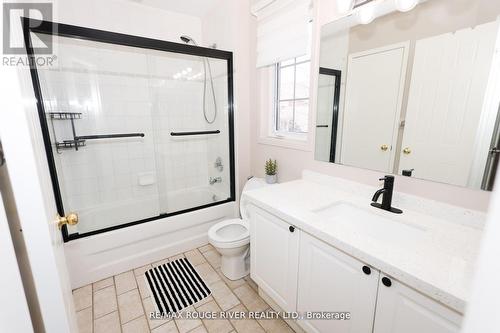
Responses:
[105,172]
[120,173]
[188,162]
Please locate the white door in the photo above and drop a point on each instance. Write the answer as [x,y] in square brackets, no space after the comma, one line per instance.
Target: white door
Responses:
[330,280]
[449,79]
[374,94]
[274,255]
[401,309]
[30,179]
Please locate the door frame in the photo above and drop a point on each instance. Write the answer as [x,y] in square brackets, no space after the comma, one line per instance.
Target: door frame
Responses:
[404,73]
[65,30]
[336,103]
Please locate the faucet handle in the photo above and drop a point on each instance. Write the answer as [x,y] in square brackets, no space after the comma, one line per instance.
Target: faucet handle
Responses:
[387,178]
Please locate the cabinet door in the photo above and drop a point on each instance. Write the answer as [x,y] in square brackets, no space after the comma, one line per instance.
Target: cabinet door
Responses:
[401,309]
[330,280]
[274,257]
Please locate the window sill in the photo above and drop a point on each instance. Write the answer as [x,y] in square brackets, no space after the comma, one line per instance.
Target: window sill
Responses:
[286,142]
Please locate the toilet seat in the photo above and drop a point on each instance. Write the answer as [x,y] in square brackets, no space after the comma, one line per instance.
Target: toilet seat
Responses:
[229,234]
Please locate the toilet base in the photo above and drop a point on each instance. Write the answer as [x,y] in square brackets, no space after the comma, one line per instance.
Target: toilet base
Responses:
[235,267]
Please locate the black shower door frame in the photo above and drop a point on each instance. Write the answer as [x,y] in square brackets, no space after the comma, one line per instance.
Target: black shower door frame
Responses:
[65,30]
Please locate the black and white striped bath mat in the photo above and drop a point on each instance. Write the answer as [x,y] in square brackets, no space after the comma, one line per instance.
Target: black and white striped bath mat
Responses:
[175,285]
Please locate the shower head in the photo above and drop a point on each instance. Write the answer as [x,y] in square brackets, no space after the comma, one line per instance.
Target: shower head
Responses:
[187,39]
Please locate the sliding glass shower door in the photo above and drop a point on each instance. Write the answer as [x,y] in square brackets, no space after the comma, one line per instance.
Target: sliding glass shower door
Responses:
[135,133]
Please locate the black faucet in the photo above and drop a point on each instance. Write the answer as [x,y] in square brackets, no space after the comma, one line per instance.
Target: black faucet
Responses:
[387,196]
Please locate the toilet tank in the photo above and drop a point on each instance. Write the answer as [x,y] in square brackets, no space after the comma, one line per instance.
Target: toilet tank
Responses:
[251,184]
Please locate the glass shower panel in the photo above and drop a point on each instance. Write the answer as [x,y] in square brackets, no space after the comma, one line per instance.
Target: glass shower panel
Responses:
[136,134]
[97,91]
[190,121]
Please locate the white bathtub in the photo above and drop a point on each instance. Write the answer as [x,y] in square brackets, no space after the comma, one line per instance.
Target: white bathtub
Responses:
[192,197]
[96,257]
[114,214]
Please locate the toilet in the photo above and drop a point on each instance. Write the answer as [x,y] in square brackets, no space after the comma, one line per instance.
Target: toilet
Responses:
[231,238]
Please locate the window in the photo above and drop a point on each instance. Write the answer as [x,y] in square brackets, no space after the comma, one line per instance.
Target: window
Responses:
[292,97]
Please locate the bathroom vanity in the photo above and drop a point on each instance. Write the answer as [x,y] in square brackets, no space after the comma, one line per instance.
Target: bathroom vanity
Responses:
[317,245]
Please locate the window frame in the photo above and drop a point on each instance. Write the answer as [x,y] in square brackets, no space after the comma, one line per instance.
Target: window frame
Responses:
[277,100]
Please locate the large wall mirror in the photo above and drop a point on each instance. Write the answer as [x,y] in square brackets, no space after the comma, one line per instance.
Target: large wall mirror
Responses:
[413,93]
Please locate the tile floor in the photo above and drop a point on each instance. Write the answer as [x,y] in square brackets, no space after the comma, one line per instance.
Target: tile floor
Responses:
[121,303]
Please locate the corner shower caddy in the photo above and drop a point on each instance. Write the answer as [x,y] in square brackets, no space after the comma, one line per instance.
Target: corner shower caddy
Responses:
[79,140]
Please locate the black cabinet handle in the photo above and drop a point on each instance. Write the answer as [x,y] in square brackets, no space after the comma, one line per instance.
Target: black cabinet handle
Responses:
[367,270]
[386,281]
[291,228]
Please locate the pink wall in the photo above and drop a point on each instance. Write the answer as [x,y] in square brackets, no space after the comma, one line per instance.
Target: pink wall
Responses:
[292,162]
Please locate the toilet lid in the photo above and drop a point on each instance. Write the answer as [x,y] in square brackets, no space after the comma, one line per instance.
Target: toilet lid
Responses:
[229,231]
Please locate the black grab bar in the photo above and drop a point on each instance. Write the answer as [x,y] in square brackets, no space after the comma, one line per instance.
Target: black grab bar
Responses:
[109,136]
[194,133]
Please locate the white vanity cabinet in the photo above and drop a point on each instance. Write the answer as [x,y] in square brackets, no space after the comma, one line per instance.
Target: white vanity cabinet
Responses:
[274,257]
[299,272]
[402,309]
[330,280]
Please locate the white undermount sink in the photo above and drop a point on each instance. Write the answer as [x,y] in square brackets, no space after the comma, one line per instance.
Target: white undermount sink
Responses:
[370,222]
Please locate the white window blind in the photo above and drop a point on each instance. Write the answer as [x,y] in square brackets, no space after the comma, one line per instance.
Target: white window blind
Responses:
[283,30]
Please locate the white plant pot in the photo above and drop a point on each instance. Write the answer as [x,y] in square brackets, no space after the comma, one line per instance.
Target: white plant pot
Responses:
[271,179]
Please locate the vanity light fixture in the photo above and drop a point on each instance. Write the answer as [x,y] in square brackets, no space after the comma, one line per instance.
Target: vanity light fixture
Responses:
[406,5]
[344,6]
[366,14]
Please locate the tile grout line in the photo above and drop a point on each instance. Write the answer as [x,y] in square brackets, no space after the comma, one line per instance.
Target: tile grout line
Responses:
[195,309]
[92,308]
[144,312]
[241,301]
[117,306]
[215,301]
[142,303]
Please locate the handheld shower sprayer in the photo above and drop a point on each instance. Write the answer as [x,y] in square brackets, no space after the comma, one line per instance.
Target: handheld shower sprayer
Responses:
[186,39]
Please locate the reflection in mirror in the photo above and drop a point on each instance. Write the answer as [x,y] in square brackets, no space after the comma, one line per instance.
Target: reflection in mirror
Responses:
[327,115]
[413,93]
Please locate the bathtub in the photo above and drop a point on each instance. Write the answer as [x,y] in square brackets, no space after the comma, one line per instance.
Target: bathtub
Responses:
[114,214]
[99,256]
[192,197]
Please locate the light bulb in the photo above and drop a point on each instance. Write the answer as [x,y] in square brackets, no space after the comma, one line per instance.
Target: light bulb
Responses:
[406,5]
[344,6]
[366,14]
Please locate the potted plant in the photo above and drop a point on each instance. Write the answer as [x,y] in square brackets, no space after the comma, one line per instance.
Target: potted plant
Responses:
[271,169]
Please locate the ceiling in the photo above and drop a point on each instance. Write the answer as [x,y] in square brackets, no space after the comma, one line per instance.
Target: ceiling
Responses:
[189,7]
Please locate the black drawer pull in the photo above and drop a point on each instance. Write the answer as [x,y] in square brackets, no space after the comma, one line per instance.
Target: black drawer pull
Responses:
[386,281]
[367,270]
[291,228]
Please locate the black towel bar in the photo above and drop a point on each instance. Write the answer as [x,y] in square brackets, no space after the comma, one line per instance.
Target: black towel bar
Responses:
[194,133]
[109,136]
